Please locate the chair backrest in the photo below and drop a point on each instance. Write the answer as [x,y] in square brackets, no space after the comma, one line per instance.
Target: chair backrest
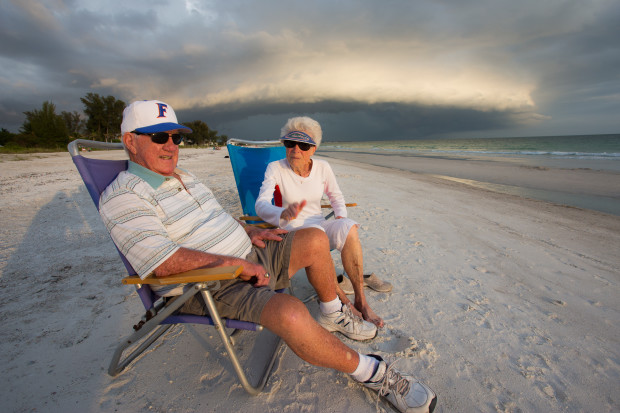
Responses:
[97,174]
[249,163]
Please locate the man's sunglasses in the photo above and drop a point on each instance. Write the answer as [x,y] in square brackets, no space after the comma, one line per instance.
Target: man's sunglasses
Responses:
[162,137]
[302,145]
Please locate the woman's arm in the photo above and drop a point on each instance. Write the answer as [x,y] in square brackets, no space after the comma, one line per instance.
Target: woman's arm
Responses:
[264,208]
[332,190]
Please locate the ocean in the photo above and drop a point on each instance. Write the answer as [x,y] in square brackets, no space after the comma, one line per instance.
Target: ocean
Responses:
[585,152]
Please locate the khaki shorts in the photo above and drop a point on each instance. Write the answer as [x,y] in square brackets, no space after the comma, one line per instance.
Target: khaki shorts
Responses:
[239,299]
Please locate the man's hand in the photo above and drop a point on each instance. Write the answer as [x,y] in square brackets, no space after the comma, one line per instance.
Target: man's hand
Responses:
[292,210]
[255,274]
[259,235]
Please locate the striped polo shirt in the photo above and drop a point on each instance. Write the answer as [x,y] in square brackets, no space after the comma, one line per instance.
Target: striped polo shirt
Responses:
[151,216]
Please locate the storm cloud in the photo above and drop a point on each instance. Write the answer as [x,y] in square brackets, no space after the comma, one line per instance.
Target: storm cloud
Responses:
[364,69]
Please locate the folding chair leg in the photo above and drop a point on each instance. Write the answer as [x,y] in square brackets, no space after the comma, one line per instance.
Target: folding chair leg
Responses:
[151,327]
[116,366]
[219,326]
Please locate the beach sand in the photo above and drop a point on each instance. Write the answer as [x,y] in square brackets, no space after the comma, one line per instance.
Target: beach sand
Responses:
[500,304]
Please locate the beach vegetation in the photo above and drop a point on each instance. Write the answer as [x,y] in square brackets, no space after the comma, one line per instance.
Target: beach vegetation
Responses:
[105,115]
[76,125]
[5,136]
[203,135]
[46,131]
[43,128]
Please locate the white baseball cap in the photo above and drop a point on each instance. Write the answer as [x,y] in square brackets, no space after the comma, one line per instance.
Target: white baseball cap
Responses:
[150,116]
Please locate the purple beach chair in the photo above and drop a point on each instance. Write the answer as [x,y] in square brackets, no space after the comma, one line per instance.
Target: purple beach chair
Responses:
[97,174]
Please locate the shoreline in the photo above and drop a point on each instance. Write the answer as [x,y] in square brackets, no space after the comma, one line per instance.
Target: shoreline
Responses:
[564,182]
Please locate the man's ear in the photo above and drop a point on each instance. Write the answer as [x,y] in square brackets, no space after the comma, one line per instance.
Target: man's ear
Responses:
[129,139]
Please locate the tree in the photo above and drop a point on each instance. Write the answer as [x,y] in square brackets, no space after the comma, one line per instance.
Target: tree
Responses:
[200,133]
[222,139]
[5,136]
[74,122]
[48,128]
[105,115]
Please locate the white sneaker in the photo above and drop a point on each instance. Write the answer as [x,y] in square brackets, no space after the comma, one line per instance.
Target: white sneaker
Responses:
[405,393]
[345,322]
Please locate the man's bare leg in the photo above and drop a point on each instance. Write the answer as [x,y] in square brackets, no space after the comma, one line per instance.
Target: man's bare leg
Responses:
[353,263]
[289,318]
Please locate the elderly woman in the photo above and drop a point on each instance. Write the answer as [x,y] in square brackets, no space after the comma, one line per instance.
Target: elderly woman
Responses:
[302,181]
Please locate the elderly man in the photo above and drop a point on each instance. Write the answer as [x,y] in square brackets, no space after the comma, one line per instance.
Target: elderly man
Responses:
[165,221]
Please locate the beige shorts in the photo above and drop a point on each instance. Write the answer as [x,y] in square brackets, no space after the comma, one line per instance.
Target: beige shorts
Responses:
[239,299]
[337,231]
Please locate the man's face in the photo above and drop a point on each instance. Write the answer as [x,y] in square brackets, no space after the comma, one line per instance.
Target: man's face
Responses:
[161,158]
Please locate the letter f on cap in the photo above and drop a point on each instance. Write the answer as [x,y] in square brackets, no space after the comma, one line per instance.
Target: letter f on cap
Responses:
[162,110]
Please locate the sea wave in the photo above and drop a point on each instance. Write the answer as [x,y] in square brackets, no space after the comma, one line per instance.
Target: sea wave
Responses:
[464,152]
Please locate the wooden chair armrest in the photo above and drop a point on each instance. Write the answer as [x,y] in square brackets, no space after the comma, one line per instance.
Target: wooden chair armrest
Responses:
[193,276]
[250,218]
[348,205]
[261,224]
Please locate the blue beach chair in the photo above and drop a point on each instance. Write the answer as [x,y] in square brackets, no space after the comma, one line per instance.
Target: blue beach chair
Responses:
[249,160]
[97,174]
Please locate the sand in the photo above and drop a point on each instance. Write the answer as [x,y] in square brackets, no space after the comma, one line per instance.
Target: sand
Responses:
[500,303]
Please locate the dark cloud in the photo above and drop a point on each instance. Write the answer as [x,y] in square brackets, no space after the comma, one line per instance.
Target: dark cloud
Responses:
[366,70]
[351,120]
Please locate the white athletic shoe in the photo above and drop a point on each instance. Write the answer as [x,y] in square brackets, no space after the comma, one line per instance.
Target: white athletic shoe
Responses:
[405,393]
[345,322]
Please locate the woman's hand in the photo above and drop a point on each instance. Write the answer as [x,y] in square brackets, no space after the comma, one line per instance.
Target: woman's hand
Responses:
[292,210]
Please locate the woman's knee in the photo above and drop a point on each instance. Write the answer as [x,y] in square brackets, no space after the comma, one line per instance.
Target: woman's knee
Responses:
[352,237]
[353,233]
[311,240]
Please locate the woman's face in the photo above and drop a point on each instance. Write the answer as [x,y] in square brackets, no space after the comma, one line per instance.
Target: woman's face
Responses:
[297,157]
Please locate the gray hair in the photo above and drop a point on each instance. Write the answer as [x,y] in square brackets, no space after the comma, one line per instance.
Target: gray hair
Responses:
[304,124]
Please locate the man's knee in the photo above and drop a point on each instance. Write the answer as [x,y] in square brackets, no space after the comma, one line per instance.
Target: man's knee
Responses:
[286,311]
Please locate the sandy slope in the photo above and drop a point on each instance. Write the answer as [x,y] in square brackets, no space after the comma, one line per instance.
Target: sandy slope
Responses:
[501,304]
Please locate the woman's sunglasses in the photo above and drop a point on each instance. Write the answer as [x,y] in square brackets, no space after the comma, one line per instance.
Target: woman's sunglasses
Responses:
[302,145]
[162,137]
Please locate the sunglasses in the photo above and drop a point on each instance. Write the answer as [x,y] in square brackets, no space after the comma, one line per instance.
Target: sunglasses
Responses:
[302,145]
[162,137]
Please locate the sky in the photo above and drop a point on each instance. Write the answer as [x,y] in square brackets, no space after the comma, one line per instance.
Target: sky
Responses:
[366,70]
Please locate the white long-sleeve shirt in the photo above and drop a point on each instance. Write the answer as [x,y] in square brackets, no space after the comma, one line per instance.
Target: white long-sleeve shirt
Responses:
[295,188]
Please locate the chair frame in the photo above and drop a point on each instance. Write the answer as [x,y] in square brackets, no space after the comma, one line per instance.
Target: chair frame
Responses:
[160,316]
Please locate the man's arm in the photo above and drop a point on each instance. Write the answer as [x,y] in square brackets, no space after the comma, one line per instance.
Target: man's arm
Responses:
[185,259]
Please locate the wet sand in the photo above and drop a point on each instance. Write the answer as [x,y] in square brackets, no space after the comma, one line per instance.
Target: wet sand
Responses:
[593,184]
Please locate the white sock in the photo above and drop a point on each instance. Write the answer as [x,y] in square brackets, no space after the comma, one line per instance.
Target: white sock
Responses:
[330,306]
[365,369]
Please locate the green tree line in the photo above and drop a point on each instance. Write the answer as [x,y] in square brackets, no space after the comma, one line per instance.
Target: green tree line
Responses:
[100,120]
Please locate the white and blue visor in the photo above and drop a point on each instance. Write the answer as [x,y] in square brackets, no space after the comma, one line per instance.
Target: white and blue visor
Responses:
[298,136]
